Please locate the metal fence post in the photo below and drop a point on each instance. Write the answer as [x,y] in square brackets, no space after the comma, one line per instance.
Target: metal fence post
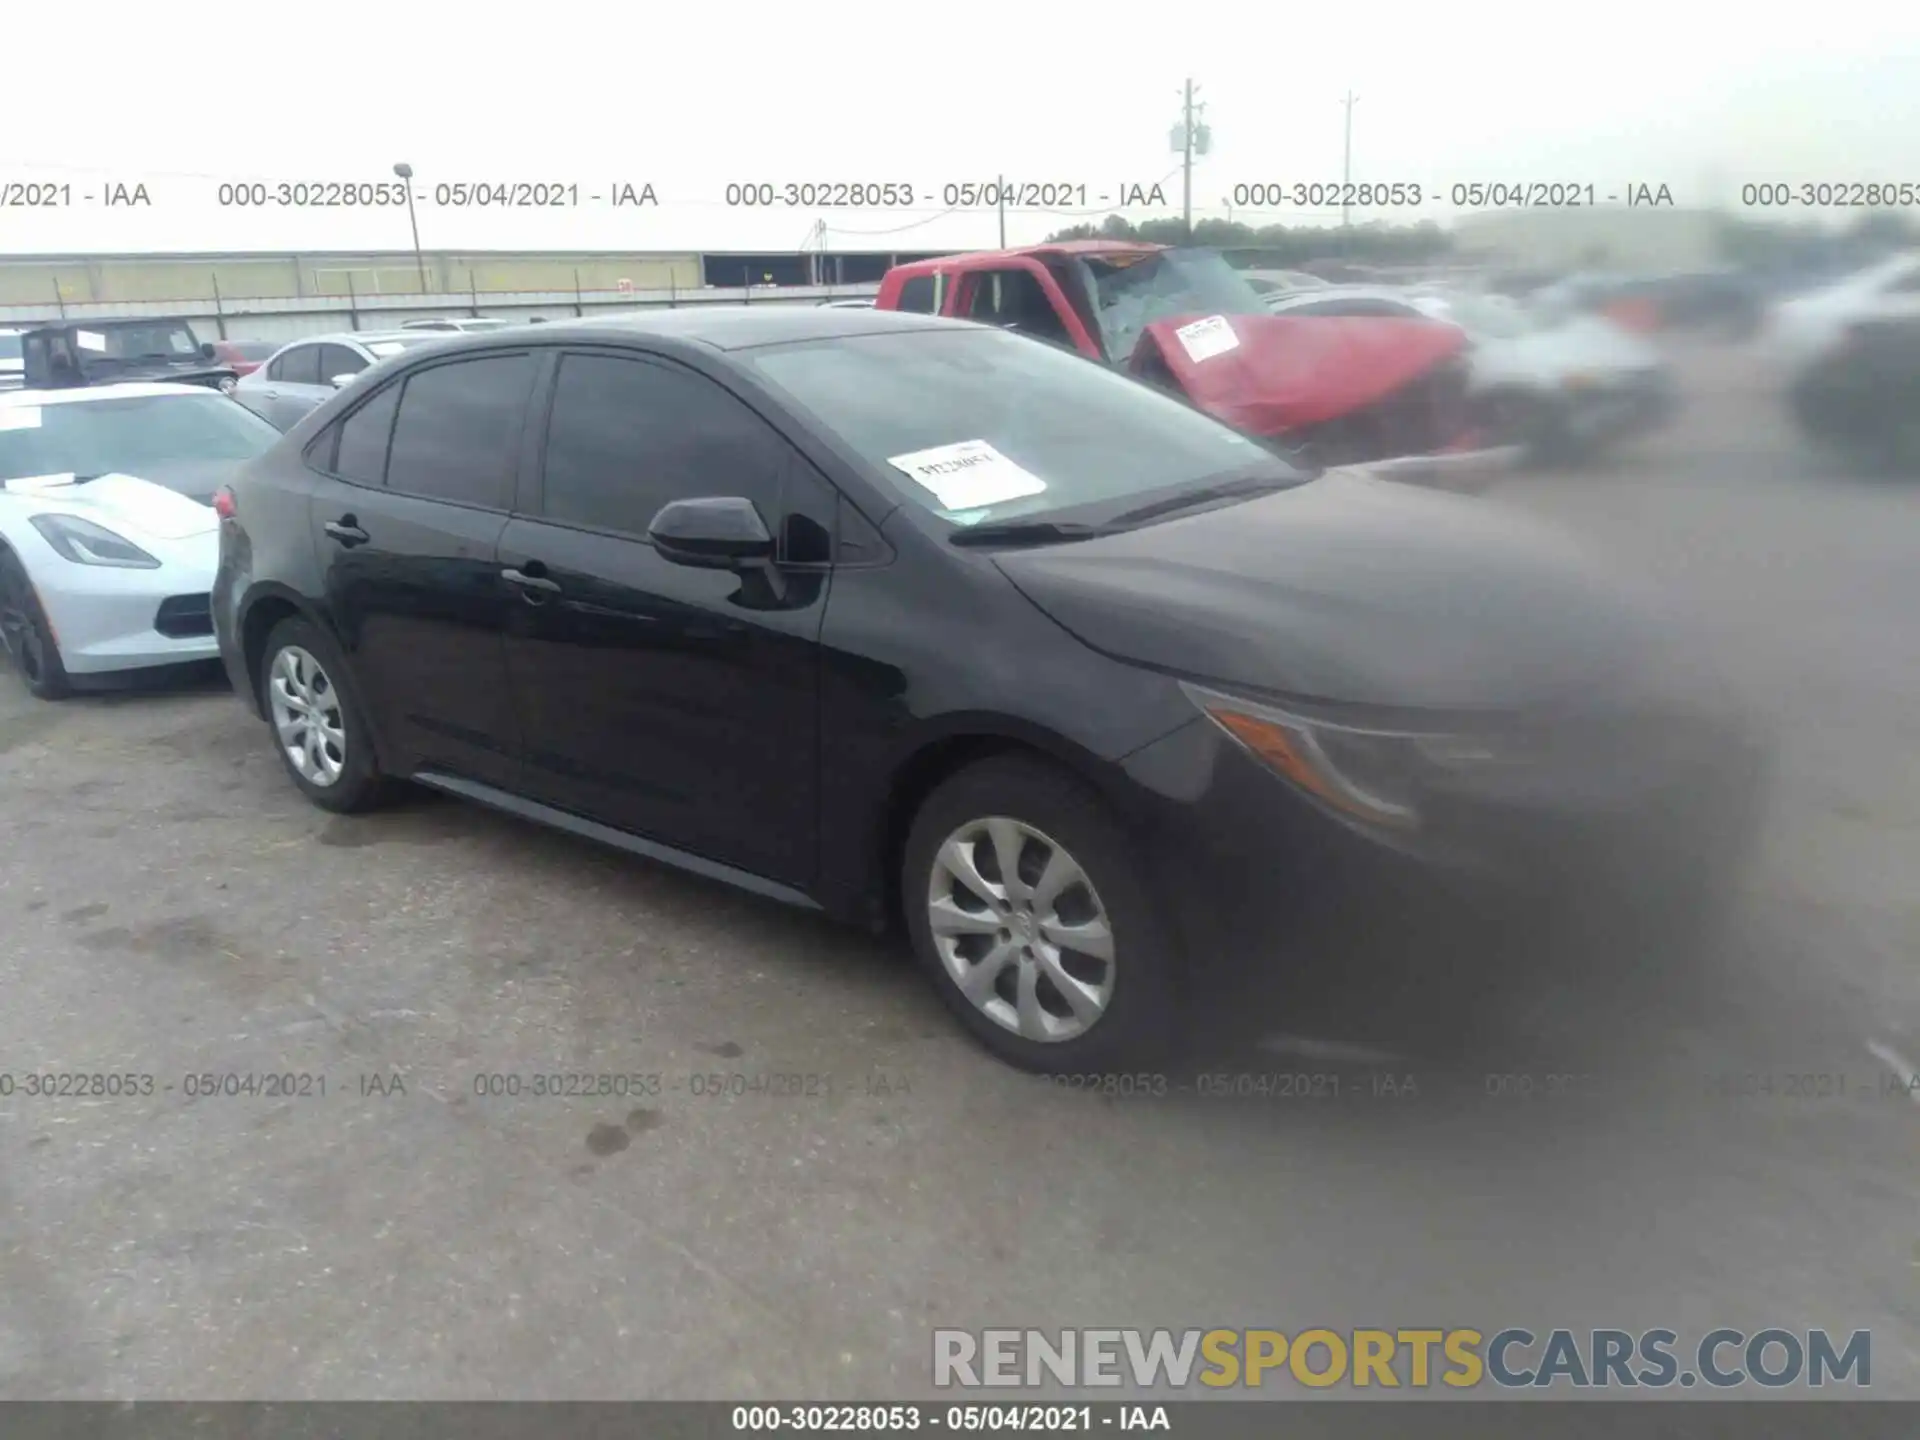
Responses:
[473,294]
[353,307]
[219,312]
[59,297]
[578,309]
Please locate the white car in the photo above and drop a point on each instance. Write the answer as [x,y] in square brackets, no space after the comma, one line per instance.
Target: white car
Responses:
[108,537]
[301,374]
[1801,331]
[1564,384]
[463,324]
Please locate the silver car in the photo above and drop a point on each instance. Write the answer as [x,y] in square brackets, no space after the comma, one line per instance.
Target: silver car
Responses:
[302,374]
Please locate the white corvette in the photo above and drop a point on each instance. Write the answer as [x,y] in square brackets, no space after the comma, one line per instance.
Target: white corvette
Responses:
[108,538]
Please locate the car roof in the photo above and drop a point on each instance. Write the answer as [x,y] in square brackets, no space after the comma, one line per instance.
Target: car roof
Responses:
[129,390]
[720,327]
[986,259]
[363,337]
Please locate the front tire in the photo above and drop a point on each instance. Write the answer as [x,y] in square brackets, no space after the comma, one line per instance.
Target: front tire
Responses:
[1034,921]
[26,637]
[318,726]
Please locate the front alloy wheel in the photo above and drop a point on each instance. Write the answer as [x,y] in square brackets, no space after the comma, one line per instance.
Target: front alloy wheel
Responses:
[307,718]
[1021,930]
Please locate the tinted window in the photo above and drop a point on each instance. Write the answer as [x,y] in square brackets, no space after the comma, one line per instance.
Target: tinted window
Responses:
[628,436]
[458,433]
[339,360]
[363,439]
[918,295]
[298,366]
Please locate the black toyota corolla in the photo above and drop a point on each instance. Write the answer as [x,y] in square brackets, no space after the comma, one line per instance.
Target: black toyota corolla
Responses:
[904,618]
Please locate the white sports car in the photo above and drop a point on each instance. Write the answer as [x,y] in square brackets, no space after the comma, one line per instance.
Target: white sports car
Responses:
[108,539]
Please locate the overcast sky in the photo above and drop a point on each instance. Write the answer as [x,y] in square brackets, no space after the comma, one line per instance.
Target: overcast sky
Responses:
[1701,99]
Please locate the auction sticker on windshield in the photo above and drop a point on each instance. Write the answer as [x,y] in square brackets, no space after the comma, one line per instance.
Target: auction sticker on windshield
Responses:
[19,417]
[89,339]
[967,475]
[1204,339]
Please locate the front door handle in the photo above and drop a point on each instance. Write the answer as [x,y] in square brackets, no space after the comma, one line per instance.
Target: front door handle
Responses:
[530,582]
[347,531]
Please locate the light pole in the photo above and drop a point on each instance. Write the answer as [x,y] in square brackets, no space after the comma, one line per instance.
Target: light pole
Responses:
[1346,160]
[405,172]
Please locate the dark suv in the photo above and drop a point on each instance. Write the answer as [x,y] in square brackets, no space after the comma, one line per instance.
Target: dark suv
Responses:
[890,615]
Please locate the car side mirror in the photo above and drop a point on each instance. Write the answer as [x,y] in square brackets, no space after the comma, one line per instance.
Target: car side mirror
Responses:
[721,532]
[340,380]
[206,350]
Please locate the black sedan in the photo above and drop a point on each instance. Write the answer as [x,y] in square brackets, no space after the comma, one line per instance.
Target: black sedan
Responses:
[909,619]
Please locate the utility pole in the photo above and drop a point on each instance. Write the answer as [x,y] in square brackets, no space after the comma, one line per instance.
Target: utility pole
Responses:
[1346,162]
[1191,137]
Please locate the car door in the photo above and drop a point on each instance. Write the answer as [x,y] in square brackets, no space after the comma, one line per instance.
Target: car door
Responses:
[672,702]
[417,483]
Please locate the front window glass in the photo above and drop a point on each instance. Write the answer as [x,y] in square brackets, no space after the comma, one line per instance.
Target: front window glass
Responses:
[1132,291]
[170,439]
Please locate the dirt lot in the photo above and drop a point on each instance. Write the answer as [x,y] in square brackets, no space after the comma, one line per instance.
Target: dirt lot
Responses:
[171,908]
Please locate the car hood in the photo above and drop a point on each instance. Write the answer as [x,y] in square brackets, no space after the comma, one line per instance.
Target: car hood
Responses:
[123,502]
[1268,374]
[1582,346]
[1356,590]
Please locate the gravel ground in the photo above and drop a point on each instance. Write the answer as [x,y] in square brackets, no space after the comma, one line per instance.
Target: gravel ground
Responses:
[172,908]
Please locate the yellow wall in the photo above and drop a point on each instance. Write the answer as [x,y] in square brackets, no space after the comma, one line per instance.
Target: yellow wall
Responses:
[31,282]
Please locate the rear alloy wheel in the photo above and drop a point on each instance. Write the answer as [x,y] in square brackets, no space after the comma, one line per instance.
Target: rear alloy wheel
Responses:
[1029,912]
[316,723]
[26,639]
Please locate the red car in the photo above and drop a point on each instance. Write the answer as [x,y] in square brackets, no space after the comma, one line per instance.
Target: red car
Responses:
[1388,392]
[244,356]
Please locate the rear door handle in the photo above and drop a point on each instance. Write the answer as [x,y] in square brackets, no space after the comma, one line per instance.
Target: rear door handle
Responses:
[530,582]
[346,531]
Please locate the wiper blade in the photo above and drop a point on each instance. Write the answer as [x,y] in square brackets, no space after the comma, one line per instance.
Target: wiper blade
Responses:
[1026,532]
[1248,485]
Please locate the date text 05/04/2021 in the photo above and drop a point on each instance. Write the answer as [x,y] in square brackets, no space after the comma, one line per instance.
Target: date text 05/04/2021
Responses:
[1460,194]
[553,1084]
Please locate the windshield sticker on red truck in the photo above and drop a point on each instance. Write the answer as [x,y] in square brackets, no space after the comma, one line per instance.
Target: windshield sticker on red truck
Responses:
[967,475]
[1204,339]
[90,340]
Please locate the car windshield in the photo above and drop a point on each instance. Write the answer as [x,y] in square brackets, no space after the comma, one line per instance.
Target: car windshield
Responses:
[1054,431]
[163,438]
[1132,291]
[169,340]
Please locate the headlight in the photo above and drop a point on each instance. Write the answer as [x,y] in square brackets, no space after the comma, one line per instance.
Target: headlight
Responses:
[1370,774]
[86,543]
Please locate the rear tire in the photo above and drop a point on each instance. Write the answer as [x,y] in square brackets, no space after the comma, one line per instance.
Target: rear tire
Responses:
[1104,998]
[26,637]
[318,725]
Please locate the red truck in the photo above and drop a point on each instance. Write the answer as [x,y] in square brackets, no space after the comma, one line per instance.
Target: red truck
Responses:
[1387,392]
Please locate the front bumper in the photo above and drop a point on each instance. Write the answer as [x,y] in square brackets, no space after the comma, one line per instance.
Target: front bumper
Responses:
[1250,865]
[1634,405]
[107,619]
